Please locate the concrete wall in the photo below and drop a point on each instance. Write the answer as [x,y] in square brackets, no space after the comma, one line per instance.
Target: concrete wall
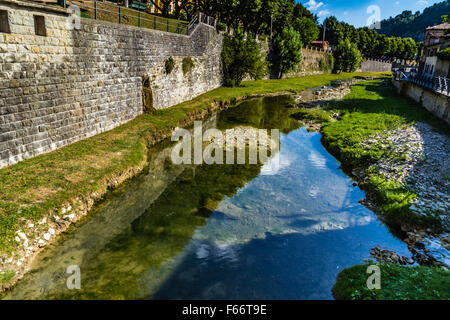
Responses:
[72,84]
[375,66]
[442,68]
[436,103]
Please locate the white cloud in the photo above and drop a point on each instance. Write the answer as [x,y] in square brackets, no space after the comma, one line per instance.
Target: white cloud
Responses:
[313,5]
[323,13]
[422,3]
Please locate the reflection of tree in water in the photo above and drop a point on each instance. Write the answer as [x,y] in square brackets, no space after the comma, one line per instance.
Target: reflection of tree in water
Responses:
[161,232]
[263,113]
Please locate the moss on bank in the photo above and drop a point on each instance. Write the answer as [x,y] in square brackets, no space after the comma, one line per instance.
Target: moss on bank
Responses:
[397,283]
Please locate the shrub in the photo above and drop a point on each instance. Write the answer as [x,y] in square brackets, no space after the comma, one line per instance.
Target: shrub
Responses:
[347,57]
[241,56]
[221,26]
[188,65]
[169,65]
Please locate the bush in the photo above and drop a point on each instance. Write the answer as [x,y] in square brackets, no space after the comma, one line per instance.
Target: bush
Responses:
[287,52]
[188,65]
[221,26]
[241,56]
[169,65]
[347,57]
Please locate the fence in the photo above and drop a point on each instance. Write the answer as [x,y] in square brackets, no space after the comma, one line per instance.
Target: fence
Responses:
[114,13]
[437,84]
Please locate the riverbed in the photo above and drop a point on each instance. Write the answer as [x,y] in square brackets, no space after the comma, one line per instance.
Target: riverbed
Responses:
[260,231]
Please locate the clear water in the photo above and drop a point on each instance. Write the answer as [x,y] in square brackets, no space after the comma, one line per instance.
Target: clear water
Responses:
[222,231]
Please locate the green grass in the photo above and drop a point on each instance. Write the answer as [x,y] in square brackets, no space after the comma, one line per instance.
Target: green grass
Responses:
[317,115]
[6,276]
[32,188]
[397,283]
[110,12]
[372,108]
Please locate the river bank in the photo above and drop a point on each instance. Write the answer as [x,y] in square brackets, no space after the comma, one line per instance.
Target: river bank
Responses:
[398,153]
[41,197]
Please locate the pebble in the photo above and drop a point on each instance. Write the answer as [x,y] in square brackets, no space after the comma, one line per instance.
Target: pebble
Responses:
[47,236]
[423,166]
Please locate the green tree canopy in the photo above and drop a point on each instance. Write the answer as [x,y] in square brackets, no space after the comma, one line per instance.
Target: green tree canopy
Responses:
[287,51]
[307,28]
[347,57]
[241,56]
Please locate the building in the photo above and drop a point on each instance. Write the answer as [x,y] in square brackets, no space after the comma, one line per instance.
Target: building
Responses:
[154,9]
[436,39]
[324,45]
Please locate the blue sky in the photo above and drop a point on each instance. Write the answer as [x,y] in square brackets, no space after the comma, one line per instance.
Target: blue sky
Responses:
[355,11]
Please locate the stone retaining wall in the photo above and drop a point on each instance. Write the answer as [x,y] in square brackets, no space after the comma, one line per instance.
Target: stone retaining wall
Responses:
[436,103]
[375,66]
[72,84]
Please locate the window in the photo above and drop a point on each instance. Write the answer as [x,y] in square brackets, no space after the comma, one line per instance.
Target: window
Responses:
[4,22]
[39,26]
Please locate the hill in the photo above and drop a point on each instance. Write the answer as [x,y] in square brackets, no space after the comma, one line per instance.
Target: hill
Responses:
[408,24]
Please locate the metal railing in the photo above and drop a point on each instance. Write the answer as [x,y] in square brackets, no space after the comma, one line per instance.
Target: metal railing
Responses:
[437,84]
[203,18]
[123,15]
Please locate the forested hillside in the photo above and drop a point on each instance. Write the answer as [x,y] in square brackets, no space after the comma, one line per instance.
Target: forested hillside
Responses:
[409,24]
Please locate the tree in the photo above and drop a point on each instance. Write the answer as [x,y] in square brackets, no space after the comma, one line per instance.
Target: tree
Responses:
[163,6]
[287,51]
[241,56]
[347,57]
[335,32]
[307,28]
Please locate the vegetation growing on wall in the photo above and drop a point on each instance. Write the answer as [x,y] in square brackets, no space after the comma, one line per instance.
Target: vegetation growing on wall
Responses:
[147,94]
[241,57]
[188,65]
[169,65]
[326,64]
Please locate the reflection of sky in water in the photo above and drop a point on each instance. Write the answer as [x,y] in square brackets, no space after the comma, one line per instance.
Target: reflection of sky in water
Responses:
[285,235]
